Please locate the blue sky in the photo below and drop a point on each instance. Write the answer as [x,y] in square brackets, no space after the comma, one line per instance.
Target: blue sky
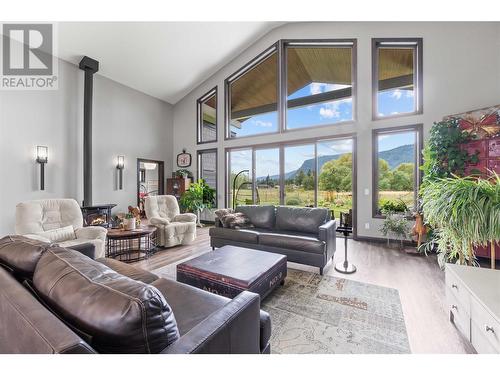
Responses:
[390,102]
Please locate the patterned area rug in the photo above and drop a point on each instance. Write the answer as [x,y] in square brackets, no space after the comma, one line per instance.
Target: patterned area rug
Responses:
[327,315]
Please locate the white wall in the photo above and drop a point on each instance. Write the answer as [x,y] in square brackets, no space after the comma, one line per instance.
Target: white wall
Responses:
[125,122]
[460,72]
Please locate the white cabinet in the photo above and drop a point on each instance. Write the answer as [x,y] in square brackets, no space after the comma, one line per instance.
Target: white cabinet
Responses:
[473,299]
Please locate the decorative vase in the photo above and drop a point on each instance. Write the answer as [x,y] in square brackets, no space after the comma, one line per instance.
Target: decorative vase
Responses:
[130,224]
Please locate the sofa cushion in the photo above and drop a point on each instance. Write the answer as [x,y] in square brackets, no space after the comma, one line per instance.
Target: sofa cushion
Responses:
[21,254]
[260,216]
[301,219]
[116,314]
[128,270]
[175,229]
[191,305]
[239,235]
[302,243]
[66,233]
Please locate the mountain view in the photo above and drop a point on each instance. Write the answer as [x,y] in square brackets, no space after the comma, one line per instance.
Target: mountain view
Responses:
[394,157]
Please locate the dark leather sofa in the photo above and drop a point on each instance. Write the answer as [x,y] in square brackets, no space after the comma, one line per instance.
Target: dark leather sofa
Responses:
[304,235]
[57,300]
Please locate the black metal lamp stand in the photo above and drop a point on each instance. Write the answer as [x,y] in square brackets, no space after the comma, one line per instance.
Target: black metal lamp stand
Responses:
[345,267]
[42,153]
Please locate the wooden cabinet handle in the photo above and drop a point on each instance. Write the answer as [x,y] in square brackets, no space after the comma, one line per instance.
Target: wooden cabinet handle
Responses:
[489,329]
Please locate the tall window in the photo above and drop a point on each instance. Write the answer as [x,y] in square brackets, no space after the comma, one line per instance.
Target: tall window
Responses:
[252,95]
[319,81]
[207,169]
[318,173]
[397,77]
[396,175]
[207,117]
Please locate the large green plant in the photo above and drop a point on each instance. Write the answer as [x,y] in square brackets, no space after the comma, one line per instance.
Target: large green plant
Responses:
[443,154]
[464,211]
[198,197]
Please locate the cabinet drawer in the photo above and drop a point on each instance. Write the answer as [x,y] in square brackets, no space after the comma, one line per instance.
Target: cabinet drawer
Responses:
[455,286]
[485,336]
[458,313]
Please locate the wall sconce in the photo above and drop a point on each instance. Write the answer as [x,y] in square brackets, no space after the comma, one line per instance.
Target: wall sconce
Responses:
[120,164]
[42,157]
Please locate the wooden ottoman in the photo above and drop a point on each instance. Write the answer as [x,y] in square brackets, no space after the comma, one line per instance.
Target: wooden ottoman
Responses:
[229,270]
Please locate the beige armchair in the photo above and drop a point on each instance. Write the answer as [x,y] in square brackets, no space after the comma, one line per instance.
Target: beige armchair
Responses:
[58,221]
[174,228]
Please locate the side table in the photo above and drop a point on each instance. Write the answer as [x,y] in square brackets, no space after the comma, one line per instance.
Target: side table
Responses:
[131,245]
[345,266]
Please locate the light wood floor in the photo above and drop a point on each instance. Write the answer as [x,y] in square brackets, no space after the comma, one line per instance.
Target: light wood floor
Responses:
[418,279]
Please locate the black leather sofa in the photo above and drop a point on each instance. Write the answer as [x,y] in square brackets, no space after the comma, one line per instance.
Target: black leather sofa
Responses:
[304,235]
[57,300]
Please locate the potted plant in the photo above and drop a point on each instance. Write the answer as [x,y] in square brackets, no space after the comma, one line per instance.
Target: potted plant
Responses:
[395,226]
[129,221]
[198,197]
[464,212]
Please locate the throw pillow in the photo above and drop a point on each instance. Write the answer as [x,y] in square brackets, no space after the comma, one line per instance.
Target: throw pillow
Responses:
[59,234]
[222,213]
[238,220]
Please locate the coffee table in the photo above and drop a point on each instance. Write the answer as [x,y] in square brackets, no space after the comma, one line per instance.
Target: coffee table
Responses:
[131,245]
[229,270]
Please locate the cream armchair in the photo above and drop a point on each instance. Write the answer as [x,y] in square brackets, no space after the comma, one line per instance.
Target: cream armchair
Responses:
[174,228]
[58,221]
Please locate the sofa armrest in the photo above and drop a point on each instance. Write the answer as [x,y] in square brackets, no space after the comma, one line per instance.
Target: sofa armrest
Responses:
[188,218]
[234,329]
[327,233]
[218,223]
[86,248]
[158,221]
[91,233]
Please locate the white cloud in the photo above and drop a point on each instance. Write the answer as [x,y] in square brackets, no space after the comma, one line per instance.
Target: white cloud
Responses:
[396,94]
[318,87]
[263,124]
[325,112]
[410,93]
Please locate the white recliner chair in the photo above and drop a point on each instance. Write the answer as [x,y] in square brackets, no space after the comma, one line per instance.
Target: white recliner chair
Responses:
[174,228]
[58,221]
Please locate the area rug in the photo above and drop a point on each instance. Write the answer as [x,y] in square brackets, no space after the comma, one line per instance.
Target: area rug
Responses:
[326,315]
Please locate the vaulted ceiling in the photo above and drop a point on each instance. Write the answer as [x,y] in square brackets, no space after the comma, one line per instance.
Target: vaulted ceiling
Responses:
[163,59]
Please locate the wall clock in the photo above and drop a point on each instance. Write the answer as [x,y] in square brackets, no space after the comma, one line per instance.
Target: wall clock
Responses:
[184,159]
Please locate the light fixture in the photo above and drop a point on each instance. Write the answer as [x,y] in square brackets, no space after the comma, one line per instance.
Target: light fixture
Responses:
[42,157]
[149,166]
[120,164]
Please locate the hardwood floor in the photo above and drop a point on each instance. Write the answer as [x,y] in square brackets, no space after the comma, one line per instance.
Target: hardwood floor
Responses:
[418,279]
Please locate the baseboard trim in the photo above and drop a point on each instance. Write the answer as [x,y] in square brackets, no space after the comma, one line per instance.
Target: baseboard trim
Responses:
[381,239]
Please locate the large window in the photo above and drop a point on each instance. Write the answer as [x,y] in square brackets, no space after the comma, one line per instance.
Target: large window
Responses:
[397,77]
[396,174]
[252,96]
[207,169]
[206,109]
[315,173]
[319,81]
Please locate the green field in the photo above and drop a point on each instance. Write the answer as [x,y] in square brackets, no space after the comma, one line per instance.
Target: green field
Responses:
[336,201]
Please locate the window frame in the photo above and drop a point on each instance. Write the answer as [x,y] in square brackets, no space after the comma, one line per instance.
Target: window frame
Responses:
[317,43]
[199,114]
[417,45]
[419,140]
[199,164]
[282,145]
[274,48]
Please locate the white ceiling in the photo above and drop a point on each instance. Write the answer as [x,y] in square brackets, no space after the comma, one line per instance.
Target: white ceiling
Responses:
[163,59]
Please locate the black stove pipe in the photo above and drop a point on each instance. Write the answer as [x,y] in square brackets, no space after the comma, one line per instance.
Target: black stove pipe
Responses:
[89,66]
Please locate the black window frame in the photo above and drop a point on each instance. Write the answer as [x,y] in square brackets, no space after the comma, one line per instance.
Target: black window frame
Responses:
[199,114]
[274,48]
[417,45]
[199,165]
[317,43]
[419,139]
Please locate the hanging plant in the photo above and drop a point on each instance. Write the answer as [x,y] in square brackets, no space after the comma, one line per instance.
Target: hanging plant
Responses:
[464,212]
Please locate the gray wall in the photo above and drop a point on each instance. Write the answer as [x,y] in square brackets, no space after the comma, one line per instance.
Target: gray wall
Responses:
[460,71]
[126,122]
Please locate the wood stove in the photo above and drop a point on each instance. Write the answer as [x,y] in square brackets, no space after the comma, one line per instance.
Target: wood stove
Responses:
[99,215]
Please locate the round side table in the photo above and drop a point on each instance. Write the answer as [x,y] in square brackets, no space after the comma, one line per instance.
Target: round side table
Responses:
[131,245]
[345,266]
